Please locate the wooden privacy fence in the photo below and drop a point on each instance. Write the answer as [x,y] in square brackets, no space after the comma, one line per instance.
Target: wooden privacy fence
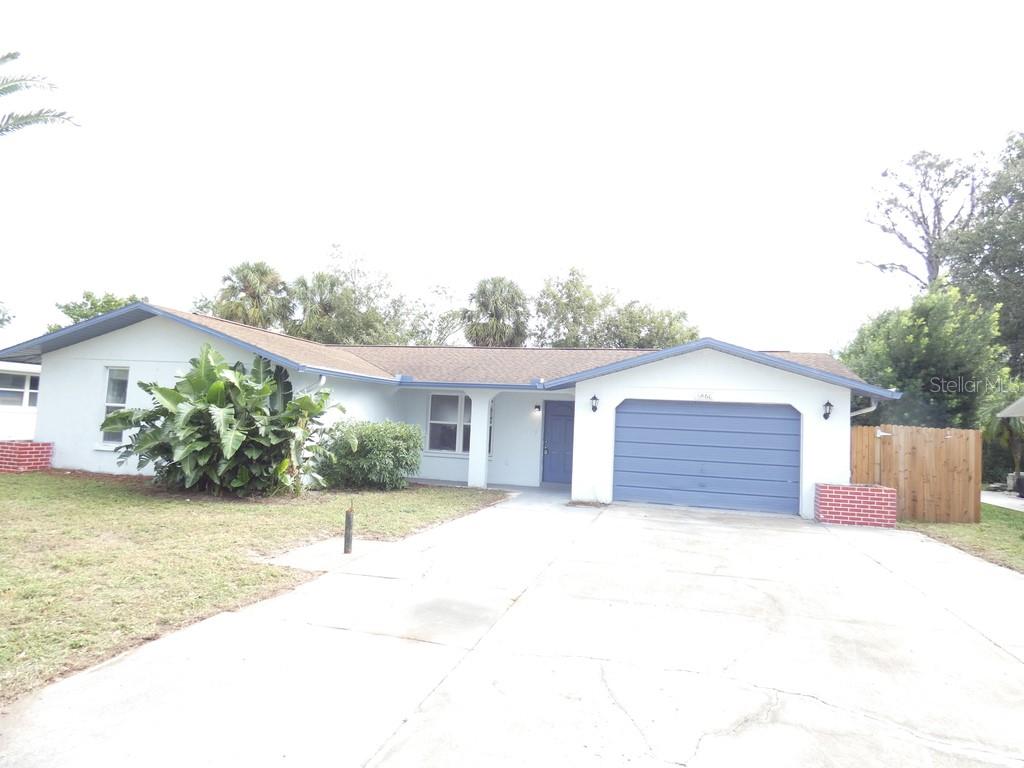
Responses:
[936,472]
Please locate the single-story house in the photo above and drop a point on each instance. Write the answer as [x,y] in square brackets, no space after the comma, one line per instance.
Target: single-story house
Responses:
[706,424]
[19,392]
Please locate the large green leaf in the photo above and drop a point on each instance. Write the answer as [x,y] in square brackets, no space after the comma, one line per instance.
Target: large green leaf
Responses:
[230,441]
[203,457]
[242,477]
[222,419]
[204,368]
[181,450]
[184,412]
[167,397]
[146,441]
[217,395]
[262,371]
[231,376]
[192,471]
[126,419]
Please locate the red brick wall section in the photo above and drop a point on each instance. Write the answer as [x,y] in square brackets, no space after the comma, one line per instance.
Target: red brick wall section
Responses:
[24,455]
[855,505]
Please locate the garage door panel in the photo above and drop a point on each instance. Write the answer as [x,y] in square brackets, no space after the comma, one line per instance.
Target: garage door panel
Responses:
[704,483]
[743,424]
[698,468]
[719,455]
[675,408]
[717,500]
[710,453]
[693,437]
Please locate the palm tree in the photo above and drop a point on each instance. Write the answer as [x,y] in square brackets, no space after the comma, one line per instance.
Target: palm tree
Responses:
[498,315]
[15,121]
[1007,432]
[254,293]
[321,301]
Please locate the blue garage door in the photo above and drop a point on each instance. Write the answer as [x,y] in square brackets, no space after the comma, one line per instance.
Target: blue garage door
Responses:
[722,455]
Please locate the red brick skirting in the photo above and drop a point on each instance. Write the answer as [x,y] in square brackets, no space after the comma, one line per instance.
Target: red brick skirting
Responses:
[24,455]
[855,505]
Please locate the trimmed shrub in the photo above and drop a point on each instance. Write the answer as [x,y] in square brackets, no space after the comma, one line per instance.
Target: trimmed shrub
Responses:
[364,454]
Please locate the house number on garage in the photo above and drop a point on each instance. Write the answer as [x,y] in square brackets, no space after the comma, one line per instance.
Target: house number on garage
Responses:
[704,396]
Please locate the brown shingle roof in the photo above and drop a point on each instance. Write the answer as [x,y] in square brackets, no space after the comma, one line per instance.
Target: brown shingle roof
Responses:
[821,361]
[489,365]
[471,365]
[297,350]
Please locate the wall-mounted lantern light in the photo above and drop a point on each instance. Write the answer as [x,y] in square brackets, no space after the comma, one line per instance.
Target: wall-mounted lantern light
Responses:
[593,403]
[536,409]
[828,410]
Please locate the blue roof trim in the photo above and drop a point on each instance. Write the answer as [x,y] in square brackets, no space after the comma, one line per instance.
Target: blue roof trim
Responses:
[73,334]
[729,349]
[335,374]
[407,382]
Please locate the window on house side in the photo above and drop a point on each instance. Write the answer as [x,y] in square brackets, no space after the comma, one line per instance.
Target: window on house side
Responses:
[444,423]
[18,390]
[451,418]
[116,399]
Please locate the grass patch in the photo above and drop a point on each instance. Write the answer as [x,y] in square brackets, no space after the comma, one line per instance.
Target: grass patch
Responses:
[999,537]
[91,565]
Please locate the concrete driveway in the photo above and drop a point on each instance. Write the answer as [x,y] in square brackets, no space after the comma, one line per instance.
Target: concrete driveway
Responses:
[538,634]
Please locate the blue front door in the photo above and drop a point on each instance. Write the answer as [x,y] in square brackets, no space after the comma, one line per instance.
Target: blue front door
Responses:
[558,421]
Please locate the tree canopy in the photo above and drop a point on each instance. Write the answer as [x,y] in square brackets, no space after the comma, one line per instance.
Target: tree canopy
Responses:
[92,305]
[569,313]
[5,316]
[636,325]
[987,259]
[253,293]
[943,354]
[342,305]
[924,205]
[498,314]
[349,305]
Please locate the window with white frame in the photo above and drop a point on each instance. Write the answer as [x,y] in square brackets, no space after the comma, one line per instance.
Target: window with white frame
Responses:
[116,399]
[19,390]
[445,426]
[450,423]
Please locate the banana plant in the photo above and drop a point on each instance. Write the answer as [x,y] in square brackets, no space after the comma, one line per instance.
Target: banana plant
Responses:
[222,428]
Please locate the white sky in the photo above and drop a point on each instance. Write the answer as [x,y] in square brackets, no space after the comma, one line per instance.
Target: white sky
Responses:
[718,159]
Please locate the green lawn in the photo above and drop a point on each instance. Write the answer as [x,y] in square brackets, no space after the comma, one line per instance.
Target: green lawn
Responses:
[999,536]
[92,565]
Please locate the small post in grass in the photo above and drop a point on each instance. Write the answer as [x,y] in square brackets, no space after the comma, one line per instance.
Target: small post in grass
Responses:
[349,515]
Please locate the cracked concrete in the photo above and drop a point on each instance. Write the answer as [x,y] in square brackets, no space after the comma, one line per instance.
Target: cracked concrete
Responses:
[534,633]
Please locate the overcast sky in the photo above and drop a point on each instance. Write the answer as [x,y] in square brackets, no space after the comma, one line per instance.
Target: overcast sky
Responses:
[718,159]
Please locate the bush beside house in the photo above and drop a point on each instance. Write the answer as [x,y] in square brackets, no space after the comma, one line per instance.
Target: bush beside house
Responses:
[223,428]
[362,454]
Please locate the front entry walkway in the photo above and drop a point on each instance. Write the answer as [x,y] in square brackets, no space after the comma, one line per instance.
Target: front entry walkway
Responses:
[537,633]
